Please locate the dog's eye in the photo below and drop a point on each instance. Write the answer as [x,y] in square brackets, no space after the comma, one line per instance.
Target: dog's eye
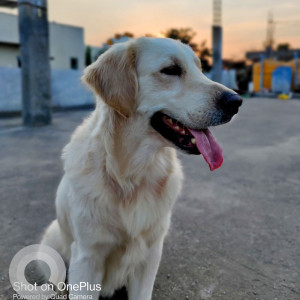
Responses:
[174,70]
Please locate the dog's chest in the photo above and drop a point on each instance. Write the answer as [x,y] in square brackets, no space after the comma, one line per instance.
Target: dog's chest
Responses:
[146,213]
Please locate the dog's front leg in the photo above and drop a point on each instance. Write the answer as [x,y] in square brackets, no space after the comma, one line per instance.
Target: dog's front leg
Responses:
[86,271]
[141,283]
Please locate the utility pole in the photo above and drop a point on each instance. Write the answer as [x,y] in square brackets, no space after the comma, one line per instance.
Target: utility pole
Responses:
[217,41]
[36,84]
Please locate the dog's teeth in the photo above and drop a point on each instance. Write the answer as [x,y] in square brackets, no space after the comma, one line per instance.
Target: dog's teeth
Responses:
[193,141]
[182,131]
[170,121]
[176,127]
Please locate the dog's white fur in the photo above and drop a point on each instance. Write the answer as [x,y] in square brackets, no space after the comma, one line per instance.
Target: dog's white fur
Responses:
[121,177]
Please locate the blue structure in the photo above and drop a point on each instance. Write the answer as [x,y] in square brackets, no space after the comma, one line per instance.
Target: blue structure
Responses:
[282,79]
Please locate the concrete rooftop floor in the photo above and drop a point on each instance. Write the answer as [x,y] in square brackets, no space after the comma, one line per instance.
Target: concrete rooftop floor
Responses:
[235,232]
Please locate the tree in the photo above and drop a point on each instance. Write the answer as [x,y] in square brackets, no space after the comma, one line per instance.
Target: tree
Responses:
[204,54]
[118,37]
[186,35]
[283,47]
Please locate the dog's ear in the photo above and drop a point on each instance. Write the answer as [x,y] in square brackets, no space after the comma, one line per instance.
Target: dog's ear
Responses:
[113,77]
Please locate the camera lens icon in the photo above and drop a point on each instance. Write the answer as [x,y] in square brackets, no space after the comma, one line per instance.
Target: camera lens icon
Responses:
[37,270]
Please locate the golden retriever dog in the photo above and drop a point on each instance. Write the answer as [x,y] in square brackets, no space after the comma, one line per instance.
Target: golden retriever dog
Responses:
[122,175]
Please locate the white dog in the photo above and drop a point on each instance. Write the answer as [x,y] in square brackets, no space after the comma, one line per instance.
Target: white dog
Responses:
[122,175]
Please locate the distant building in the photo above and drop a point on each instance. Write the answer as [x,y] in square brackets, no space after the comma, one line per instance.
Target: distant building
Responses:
[66,44]
[284,55]
[96,51]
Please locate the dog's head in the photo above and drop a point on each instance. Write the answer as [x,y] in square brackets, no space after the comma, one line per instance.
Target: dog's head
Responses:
[161,79]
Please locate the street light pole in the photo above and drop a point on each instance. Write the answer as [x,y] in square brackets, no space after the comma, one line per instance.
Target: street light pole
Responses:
[36,84]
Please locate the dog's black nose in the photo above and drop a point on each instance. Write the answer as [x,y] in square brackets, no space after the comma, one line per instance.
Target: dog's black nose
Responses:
[230,103]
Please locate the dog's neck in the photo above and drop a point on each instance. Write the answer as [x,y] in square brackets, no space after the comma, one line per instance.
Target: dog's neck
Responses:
[131,152]
[122,151]
[126,151]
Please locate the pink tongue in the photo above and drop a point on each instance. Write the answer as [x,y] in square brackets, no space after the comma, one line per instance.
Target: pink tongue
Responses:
[209,148]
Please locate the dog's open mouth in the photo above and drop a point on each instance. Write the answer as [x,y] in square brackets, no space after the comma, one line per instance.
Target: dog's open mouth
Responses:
[190,140]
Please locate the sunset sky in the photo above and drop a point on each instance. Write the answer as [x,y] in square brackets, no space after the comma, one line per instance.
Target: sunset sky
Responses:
[244,22]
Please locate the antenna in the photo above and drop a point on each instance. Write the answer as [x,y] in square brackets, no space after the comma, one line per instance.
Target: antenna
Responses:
[270,41]
[270,32]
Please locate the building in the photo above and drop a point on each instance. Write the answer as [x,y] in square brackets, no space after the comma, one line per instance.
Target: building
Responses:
[67,60]
[96,51]
[67,49]
[283,55]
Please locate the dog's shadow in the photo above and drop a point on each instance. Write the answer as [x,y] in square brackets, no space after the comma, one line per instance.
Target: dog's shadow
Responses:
[118,295]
